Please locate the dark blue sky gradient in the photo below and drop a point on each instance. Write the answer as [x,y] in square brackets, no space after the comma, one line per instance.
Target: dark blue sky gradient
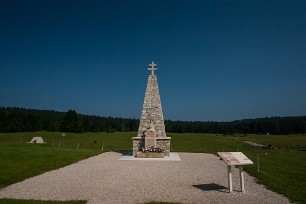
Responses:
[218,60]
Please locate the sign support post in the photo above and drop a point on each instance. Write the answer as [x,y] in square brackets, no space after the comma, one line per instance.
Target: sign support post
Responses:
[230,181]
[241,178]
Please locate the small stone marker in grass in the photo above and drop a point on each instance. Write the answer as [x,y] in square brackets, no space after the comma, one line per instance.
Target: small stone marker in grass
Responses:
[235,159]
[37,140]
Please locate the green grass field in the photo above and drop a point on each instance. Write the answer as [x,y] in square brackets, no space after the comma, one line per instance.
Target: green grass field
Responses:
[282,169]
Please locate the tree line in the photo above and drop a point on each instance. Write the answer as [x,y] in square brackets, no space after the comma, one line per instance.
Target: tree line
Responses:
[14,119]
[273,125]
[31,120]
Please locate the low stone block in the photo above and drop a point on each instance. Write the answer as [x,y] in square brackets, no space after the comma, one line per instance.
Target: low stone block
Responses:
[150,155]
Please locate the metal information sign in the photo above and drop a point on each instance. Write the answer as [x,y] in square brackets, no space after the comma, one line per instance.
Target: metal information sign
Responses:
[235,159]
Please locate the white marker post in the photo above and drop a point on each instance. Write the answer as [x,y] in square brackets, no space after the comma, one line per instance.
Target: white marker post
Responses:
[235,159]
[63,135]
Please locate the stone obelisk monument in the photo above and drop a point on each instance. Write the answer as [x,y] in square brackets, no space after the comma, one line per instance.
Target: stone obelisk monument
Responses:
[151,131]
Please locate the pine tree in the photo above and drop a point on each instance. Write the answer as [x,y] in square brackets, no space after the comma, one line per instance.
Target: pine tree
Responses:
[71,122]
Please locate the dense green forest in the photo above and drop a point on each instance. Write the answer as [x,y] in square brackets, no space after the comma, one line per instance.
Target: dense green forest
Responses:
[29,120]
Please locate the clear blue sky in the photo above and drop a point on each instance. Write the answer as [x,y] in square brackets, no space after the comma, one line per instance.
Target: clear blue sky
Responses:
[218,60]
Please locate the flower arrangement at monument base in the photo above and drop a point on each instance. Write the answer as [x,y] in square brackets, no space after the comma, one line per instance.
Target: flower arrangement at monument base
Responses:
[152,149]
[151,152]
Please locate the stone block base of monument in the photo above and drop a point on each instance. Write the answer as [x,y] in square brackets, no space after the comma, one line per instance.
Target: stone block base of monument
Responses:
[150,154]
[163,143]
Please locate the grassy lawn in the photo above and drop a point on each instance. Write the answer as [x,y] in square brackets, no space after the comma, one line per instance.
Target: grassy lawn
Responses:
[282,169]
[29,160]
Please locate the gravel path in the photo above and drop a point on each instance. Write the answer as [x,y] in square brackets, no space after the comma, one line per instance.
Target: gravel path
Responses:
[198,178]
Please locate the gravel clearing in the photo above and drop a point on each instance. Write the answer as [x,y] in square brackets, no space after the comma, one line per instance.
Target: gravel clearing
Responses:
[197,178]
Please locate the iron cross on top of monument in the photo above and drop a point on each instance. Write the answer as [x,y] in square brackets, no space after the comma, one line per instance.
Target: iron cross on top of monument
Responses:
[152,67]
[151,119]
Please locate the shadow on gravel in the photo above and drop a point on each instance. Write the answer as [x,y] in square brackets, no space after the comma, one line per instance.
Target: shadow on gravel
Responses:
[124,152]
[210,187]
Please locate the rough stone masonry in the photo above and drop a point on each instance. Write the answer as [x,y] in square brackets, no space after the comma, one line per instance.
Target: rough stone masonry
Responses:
[152,113]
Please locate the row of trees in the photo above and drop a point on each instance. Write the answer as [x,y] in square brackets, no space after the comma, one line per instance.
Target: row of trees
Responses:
[29,120]
[274,125]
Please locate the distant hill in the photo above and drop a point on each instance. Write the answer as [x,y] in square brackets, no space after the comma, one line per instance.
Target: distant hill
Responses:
[13,119]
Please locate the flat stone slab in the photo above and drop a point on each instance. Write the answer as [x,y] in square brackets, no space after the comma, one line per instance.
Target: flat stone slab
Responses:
[173,157]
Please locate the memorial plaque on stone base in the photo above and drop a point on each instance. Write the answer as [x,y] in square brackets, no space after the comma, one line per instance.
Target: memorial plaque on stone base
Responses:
[150,141]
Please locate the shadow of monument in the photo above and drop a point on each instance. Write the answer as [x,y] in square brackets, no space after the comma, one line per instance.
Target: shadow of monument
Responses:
[211,187]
